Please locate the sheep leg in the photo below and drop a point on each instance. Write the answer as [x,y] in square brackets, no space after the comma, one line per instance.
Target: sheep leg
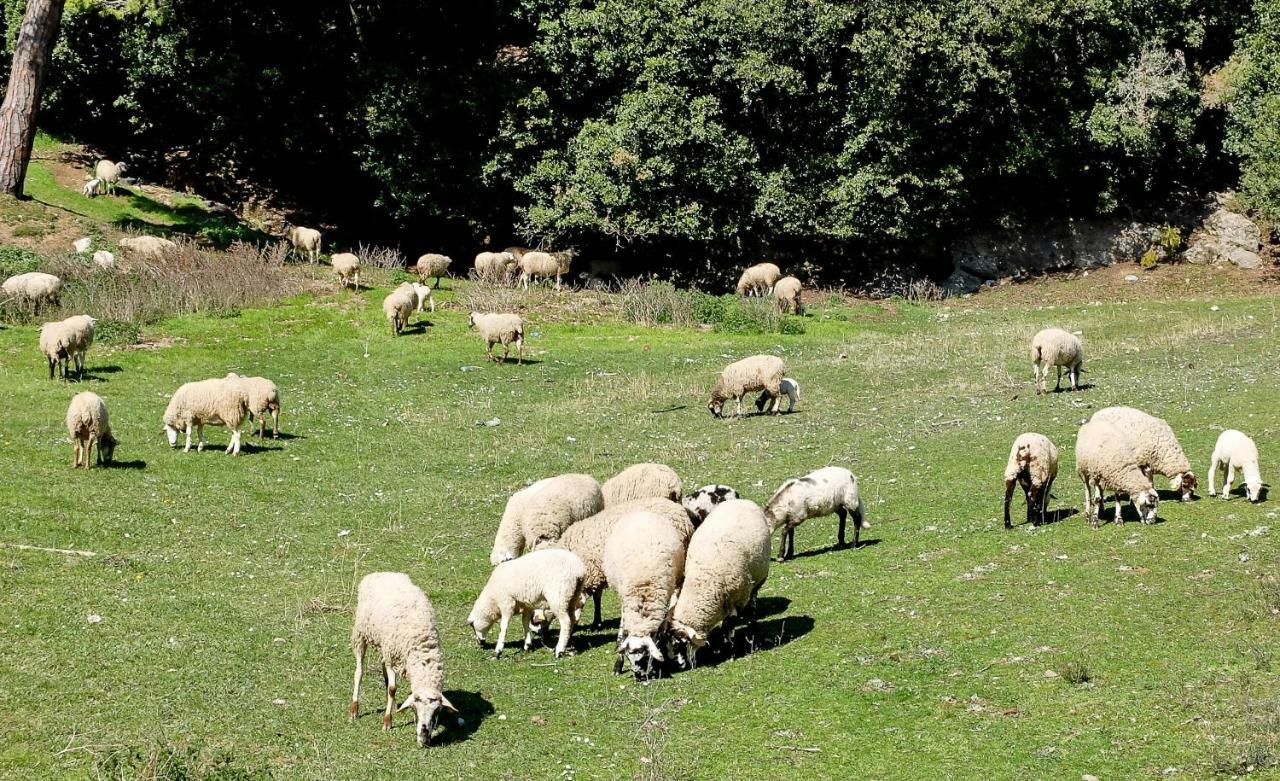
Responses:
[565,617]
[200,437]
[520,351]
[1231,478]
[1035,369]
[1008,497]
[528,631]
[791,542]
[88,452]
[1057,386]
[841,514]
[737,400]
[1075,378]
[187,449]
[1213,473]
[1044,499]
[76,451]
[275,423]
[502,634]
[389,676]
[782,546]
[358,650]
[595,622]
[1088,505]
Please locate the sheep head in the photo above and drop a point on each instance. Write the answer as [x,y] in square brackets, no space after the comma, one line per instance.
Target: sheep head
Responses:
[426,707]
[1185,484]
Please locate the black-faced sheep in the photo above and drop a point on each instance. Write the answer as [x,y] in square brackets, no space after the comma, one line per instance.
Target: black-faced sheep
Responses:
[1033,464]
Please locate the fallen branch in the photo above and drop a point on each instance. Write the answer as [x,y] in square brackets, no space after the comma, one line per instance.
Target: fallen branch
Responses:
[806,749]
[65,551]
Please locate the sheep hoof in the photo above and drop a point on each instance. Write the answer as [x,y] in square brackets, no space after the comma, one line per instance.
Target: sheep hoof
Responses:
[353,711]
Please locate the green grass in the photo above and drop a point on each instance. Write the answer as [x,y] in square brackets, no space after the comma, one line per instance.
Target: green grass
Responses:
[225,585]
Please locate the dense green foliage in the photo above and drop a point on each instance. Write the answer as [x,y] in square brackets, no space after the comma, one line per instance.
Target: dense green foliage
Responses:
[1254,96]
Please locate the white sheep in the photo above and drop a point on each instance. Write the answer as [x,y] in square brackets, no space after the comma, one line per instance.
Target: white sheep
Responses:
[1105,460]
[701,502]
[109,174]
[1054,347]
[1033,464]
[398,307]
[543,265]
[499,328]
[393,615]
[495,266]
[148,247]
[640,480]
[264,399]
[104,260]
[550,579]
[759,372]
[216,402]
[35,288]
[93,188]
[432,265]
[87,423]
[1157,448]
[758,279]
[422,293]
[787,293]
[726,564]
[644,563]
[305,241]
[790,388]
[67,341]
[832,489]
[540,513]
[1235,451]
[82,245]
[347,266]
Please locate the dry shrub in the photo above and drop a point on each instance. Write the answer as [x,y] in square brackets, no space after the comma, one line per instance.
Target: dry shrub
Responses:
[379,257]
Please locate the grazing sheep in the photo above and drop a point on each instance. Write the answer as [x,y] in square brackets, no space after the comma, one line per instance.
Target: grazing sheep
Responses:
[518,252]
[726,564]
[758,279]
[832,489]
[495,266]
[264,397]
[787,293]
[87,423]
[759,372]
[540,513]
[67,341]
[398,307]
[549,579]
[540,265]
[499,328]
[347,266]
[104,260]
[217,402]
[34,287]
[93,188]
[393,615]
[305,241]
[109,174]
[422,293]
[644,562]
[1033,464]
[640,480]
[1054,347]
[432,265]
[790,388]
[701,502]
[148,247]
[1235,451]
[82,245]
[1105,460]
[1157,448]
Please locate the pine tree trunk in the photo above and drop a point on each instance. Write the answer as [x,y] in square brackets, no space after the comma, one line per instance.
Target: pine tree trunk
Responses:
[26,83]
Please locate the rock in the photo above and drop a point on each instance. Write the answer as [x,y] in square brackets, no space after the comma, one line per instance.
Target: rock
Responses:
[1244,258]
[961,281]
[1207,249]
[1131,278]
[1233,229]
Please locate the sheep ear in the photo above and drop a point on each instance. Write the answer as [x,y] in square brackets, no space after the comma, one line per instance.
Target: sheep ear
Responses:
[653,649]
[447,705]
[408,703]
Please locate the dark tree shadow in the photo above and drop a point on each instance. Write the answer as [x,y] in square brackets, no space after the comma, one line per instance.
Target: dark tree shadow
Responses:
[134,464]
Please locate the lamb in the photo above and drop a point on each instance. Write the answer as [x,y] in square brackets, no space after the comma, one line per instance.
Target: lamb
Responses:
[1235,451]
[34,287]
[264,397]
[216,402]
[790,388]
[93,187]
[1033,464]
[398,307]
[543,265]
[550,579]
[499,328]
[1104,459]
[1157,447]
[82,245]
[347,266]
[432,265]
[67,341]
[495,266]
[640,480]
[701,502]
[540,513]
[644,562]
[832,489]
[148,247]
[726,564]
[88,422]
[1054,347]
[305,241]
[786,292]
[104,260]
[109,174]
[394,615]
[422,293]
[759,372]
[758,279]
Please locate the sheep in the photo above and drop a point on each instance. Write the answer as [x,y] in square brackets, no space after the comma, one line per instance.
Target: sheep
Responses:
[587,539]
[640,480]
[787,293]
[726,564]
[398,307]
[66,341]
[347,266]
[1054,347]
[394,615]
[93,187]
[702,501]
[1235,451]
[432,265]
[790,388]
[759,372]
[832,489]
[264,398]
[1033,464]
[88,422]
[82,245]
[109,174]
[550,579]
[216,402]
[495,266]
[544,265]
[758,279]
[518,252]
[644,562]
[104,260]
[540,513]
[305,241]
[148,247]
[422,293]
[1104,459]
[1157,447]
[34,287]
[499,328]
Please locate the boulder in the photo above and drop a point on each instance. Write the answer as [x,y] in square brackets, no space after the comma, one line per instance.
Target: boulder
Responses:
[1235,230]
[1208,249]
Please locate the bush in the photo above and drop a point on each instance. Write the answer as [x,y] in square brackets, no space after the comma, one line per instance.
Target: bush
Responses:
[661,303]
[16,260]
[107,331]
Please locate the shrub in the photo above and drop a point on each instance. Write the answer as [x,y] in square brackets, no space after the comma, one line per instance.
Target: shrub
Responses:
[16,260]
[661,303]
[1149,259]
[1076,672]
[107,331]
[923,290]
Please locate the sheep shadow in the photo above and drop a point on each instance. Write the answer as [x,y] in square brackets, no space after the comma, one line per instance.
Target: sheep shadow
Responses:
[1084,386]
[472,707]
[512,360]
[419,327]
[283,437]
[250,448]
[766,636]
[676,408]
[92,373]
[137,463]
[833,548]
[1051,517]
[1169,495]
[1242,491]
[1123,511]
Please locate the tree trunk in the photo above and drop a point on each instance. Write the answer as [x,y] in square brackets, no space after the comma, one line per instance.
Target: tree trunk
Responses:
[26,83]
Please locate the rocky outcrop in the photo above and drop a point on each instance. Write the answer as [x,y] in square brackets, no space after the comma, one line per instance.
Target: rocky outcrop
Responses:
[1226,237]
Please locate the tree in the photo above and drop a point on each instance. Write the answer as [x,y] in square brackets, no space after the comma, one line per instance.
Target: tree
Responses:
[36,37]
